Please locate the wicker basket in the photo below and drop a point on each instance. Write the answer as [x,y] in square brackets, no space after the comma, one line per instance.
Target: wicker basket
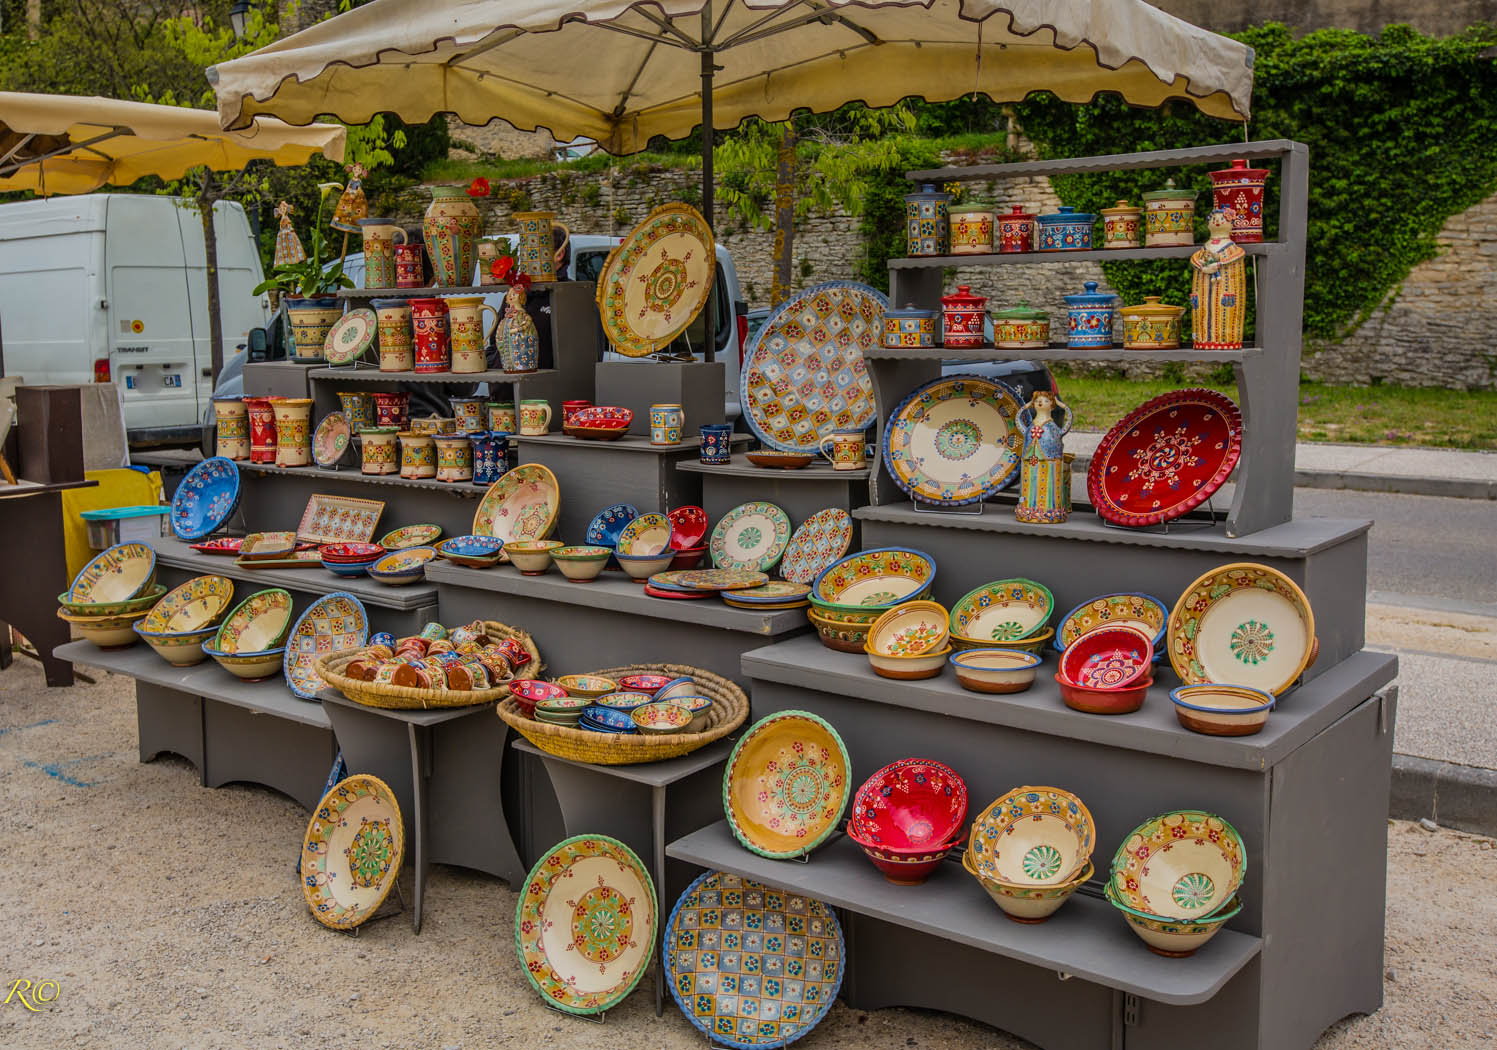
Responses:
[729,710]
[403,697]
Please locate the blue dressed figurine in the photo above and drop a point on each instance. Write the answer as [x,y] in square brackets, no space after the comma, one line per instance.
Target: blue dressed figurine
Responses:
[1045,469]
[518,342]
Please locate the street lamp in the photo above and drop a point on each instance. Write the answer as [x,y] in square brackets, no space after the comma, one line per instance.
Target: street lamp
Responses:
[238,15]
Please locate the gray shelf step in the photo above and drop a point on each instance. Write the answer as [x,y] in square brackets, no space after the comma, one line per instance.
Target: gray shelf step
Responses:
[627,443]
[1086,938]
[460,489]
[1062,353]
[1174,251]
[817,470]
[804,663]
[1265,149]
[267,697]
[374,375]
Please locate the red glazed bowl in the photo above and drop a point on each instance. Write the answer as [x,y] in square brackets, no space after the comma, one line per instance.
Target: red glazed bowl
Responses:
[688,528]
[643,683]
[1104,701]
[1108,658]
[687,559]
[530,691]
[905,867]
[601,417]
[350,553]
[914,804]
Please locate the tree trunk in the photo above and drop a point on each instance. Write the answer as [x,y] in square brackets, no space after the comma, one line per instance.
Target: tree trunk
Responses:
[33,19]
[206,199]
[784,216]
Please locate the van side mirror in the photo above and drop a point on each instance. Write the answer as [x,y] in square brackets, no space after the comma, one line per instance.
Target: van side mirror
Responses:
[259,341]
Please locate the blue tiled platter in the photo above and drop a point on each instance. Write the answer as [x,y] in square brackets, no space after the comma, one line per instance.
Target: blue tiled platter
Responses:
[331,624]
[750,965]
[205,498]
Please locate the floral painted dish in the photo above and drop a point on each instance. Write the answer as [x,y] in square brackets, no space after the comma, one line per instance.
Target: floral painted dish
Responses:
[645,536]
[351,855]
[333,623]
[585,924]
[351,335]
[624,701]
[476,552]
[910,629]
[1245,624]
[141,603]
[661,719]
[875,578]
[610,432]
[750,536]
[688,527]
[1032,836]
[1181,865]
[1110,658]
[683,686]
[821,541]
[586,686]
[227,545]
[606,719]
[656,280]
[205,499]
[601,417]
[954,440]
[775,593]
[911,804]
[257,624]
[797,978]
[708,580]
[786,784]
[1002,611]
[410,536]
[779,460]
[1142,612]
[199,603]
[340,519]
[604,529]
[330,441]
[118,574]
[403,566]
[350,552]
[261,545]
[521,505]
[644,683]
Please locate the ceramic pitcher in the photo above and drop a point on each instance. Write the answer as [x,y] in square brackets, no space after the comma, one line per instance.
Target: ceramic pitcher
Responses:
[418,455]
[378,444]
[429,323]
[844,449]
[233,440]
[293,431]
[451,231]
[535,417]
[454,457]
[358,407]
[262,429]
[395,347]
[502,417]
[380,238]
[536,248]
[468,335]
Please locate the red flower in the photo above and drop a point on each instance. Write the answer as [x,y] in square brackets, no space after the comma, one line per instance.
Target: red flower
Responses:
[479,187]
[501,266]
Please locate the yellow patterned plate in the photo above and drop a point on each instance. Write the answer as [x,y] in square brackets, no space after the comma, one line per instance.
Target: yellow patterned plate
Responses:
[1242,624]
[351,856]
[656,280]
[786,785]
[521,505]
[708,580]
[585,924]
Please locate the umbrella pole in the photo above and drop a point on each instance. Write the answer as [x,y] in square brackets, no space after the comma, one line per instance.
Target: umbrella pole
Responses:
[708,71]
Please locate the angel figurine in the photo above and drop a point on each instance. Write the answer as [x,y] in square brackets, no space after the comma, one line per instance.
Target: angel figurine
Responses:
[1045,467]
[288,247]
[1218,300]
[518,341]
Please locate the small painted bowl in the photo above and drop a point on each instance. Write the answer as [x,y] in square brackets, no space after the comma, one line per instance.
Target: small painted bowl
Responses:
[1098,701]
[581,564]
[1033,644]
[623,701]
[1142,612]
[586,686]
[403,566]
[909,805]
[841,637]
[661,719]
[257,625]
[685,686]
[904,867]
[179,648]
[528,692]
[641,567]
[531,557]
[995,670]
[699,706]
[348,569]
[844,616]
[350,552]
[265,545]
[1108,658]
[145,601]
[647,534]
[909,630]
[118,574]
[251,667]
[1222,710]
[1187,864]
[107,632]
[410,536]
[1175,938]
[908,668]
[1032,836]
[688,559]
[473,552]
[1029,904]
[606,720]
[644,683]
[875,579]
[200,602]
[779,460]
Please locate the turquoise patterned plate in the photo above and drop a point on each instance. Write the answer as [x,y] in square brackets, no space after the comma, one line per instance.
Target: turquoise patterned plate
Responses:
[954,440]
[750,536]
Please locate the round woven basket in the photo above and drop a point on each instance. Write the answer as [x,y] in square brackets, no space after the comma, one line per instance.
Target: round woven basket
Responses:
[403,697]
[729,710]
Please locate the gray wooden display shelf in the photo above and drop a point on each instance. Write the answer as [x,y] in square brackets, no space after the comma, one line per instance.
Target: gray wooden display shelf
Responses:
[1085,939]
[1267,375]
[429,292]
[276,497]
[799,493]
[461,489]
[231,730]
[1063,353]
[371,374]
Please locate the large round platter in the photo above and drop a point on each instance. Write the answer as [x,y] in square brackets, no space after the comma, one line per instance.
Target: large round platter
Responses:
[351,855]
[521,505]
[786,784]
[1002,611]
[954,440]
[750,536]
[350,336]
[205,498]
[741,981]
[603,530]
[585,924]
[821,541]
[330,440]
[656,280]
[803,374]
[1165,458]
[1143,612]
[331,624]
[708,580]
[1243,624]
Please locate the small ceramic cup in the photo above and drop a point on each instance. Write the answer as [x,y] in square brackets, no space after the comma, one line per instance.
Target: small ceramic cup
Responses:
[502,417]
[717,442]
[410,267]
[845,449]
[570,409]
[535,417]
[666,422]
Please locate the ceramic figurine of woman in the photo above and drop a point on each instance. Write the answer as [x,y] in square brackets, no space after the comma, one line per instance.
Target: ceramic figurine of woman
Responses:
[1045,468]
[1218,293]
[288,247]
[351,205]
[519,344]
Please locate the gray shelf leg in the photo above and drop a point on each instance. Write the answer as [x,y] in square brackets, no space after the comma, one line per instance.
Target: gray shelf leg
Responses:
[420,740]
[657,871]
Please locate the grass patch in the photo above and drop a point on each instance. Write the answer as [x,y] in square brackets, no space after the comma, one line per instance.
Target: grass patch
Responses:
[1378,415]
[452,170]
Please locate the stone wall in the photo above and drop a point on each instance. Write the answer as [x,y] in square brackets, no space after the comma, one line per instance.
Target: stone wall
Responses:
[1435,17]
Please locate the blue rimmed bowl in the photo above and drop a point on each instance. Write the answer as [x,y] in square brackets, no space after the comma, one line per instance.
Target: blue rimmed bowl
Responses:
[473,552]
[403,566]
[205,499]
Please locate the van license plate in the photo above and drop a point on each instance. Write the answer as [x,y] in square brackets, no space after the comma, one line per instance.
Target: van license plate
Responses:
[174,380]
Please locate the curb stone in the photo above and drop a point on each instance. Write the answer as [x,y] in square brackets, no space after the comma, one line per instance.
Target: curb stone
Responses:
[1454,796]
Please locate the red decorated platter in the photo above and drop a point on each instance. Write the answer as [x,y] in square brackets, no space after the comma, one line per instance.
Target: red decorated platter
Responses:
[1165,458]
[226,545]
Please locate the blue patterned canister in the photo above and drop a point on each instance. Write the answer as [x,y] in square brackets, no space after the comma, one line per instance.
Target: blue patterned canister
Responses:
[910,327]
[1091,317]
[717,443]
[666,421]
[927,223]
[1066,230]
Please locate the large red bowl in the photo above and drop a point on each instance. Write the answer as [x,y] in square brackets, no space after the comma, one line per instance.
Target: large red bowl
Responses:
[528,692]
[688,527]
[1108,658]
[601,417]
[1103,701]
[349,553]
[905,867]
[910,805]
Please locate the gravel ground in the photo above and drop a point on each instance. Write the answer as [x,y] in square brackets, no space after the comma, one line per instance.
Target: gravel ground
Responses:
[170,917]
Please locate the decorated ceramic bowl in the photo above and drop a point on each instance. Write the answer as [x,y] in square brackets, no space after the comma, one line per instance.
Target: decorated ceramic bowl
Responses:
[606,720]
[699,706]
[528,692]
[200,602]
[904,867]
[845,616]
[260,546]
[1032,836]
[1176,938]
[1099,700]
[118,574]
[1003,611]
[601,417]
[1108,658]
[661,719]
[474,552]
[586,686]
[909,629]
[995,670]
[786,784]
[531,557]
[624,700]
[581,564]
[401,567]
[1142,612]
[107,632]
[647,534]
[910,667]
[644,683]
[181,648]
[251,667]
[875,579]
[911,804]
[641,567]
[205,499]
[779,460]
[1243,623]
[146,600]
[688,527]
[1035,643]
[349,553]
[1028,903]
[334,623]
[845,638]
[257,625]
[1181,865]
[683,686]
[1222,710]
[410,536]
[688,559]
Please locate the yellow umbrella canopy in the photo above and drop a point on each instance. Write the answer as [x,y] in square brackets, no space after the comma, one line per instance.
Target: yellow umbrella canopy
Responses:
[622,71]
[76,144]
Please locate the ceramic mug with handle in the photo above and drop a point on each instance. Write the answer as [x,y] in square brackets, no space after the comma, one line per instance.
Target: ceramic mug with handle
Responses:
[535,417]
[845,449]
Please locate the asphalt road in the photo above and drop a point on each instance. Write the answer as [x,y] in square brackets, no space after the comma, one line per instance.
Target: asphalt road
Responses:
[1423,550]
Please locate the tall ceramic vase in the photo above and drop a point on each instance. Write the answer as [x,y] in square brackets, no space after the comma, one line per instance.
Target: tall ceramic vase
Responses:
[233,440]
[451,232]
[380,238]
[293,431]
[262,429]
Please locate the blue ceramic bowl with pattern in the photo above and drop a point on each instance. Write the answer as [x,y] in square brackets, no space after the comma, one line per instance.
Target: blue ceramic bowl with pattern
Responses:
[402,566]
[474,552]
[606,720]
[205,499]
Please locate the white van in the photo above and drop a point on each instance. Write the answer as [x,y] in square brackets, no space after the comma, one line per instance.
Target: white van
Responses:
[112,287]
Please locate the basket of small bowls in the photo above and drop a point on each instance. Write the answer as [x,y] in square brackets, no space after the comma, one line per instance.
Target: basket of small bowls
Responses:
[1107,671]
[349,559]
[402,567]
[529,693]
[995,670]
[907,817]
[472,552]
[1007,614]
[250,643]
[909,642]
[185,618]
[1175,879]
[111,595]
[849,595]
[582,564]
[1222,710]
[531,557]
[1030,850]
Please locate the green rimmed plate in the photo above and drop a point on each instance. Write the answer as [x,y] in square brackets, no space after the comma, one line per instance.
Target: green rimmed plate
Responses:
[786,784]
[351,335]
[409,536]
[1003,611]
[351,855]
[750,536]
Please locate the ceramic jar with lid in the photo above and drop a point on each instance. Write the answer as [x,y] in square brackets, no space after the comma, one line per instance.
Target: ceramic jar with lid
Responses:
[909,327]
[454,457]
[1066,230]
[1020,327]
[1016,231]
[971,228]
[1151,325]
[962,315]
[378,445]
[1169,216]
[926,220]
[1091,317]
[418,455]
[1241,189]
[1123,226]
